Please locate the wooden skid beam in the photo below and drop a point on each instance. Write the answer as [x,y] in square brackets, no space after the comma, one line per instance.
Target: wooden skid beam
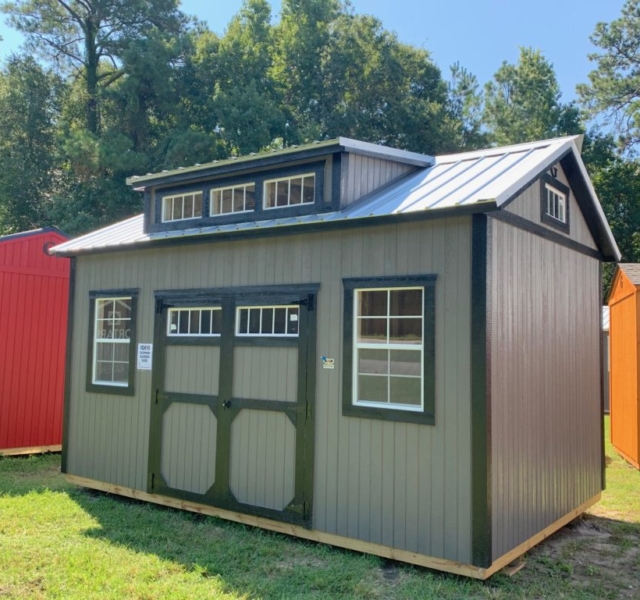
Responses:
[420,560]
[31,450]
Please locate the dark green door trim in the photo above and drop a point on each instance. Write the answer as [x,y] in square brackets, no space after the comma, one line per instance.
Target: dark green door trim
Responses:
[226,407]
[481,518]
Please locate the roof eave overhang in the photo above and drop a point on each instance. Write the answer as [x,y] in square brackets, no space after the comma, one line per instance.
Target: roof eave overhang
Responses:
[292,229]
[231,166]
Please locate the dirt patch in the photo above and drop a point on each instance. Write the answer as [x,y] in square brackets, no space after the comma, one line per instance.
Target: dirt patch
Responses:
[593,553]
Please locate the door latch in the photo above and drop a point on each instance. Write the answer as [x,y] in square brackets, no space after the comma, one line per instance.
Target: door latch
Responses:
[226,404]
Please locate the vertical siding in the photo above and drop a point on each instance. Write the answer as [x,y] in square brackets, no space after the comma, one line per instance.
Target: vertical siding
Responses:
[265,373]
[625,407]
[545,383]
[192,370]
[263,449]
[188,458]
[398,484]
[364,174]
[34,291]
[528,206]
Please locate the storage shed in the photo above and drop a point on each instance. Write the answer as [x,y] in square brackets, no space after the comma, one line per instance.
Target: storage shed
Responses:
[624,332]
[376,349]
[34,290]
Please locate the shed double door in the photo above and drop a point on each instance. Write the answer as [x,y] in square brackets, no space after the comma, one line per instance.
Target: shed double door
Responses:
[232,405]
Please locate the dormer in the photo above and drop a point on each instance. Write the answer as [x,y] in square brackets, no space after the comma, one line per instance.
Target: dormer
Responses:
[301,180]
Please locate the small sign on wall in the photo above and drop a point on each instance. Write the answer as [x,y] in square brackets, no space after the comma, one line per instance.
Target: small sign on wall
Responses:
[145,357]
[327,363]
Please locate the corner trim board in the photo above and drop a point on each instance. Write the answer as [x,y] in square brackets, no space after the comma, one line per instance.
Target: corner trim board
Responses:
[66,411]
[481,524]
[422,560]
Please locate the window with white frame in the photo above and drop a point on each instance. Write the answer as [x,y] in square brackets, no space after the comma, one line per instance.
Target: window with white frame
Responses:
[268,321]
[233,199]
[112,341]
[194,322]
[388,349]
[556,203]
[290,191]
[181,207]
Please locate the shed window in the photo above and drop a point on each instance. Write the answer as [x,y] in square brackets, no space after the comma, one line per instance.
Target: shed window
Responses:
[268,321]
[233,199]
[290,191]
[556,202]
[181,207]
[112,344]
[389,348]
[194,322]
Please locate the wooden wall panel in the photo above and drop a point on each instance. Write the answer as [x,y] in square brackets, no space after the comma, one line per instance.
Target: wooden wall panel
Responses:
[528,206]
[625,404]
[262,469]
[398,484]
[192,370]
[363,174]
[545,383]
[265,373]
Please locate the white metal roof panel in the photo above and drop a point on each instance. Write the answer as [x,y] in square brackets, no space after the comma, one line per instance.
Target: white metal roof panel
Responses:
[459,180]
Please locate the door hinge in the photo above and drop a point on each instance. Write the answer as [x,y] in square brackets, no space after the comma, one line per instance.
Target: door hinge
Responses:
[153,480]
[309,302]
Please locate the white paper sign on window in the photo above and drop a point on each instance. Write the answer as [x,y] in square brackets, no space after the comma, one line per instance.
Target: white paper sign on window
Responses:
[145,357]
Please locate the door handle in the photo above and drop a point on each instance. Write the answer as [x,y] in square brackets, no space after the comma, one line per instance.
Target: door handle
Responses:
[226,404]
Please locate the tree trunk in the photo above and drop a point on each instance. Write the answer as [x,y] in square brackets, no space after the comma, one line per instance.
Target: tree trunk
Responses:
[92,63]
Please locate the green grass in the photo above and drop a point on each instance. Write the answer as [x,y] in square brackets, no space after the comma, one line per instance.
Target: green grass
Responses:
[60,541]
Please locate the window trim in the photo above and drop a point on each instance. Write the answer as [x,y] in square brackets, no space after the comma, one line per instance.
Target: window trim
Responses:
[266,335]
[171,335]
[396,413]
[106,388]
[235,186]
[547,181]
[288,178]
[166,197]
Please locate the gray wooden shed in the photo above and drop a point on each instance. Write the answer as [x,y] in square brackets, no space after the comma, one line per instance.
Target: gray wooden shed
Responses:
[376,349]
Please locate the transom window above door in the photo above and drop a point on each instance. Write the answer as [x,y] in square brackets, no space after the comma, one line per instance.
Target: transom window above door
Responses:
[268,321]
[194,322]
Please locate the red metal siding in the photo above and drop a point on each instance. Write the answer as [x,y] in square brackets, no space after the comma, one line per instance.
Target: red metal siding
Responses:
[34,292]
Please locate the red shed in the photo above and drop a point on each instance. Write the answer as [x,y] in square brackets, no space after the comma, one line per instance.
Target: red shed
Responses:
[34,296]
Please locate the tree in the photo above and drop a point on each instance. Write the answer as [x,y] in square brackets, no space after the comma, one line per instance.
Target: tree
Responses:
[29,104]
[466,104]
[90,37]
[614,89]
[522,103]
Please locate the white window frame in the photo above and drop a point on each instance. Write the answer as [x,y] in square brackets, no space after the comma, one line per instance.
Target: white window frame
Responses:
[191,309]
[123,341]
[550,204]
[302,176]
[233,188]
[267,335]
[388,346]
[170,219]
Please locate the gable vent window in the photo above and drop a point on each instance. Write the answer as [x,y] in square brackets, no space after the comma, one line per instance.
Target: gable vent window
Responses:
[269,321]
[181,207]
[290,191]
[233,199]
[556,204]
[195,322]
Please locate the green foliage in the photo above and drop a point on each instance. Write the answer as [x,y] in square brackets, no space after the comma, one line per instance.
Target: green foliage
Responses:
[614,88]
[522,103]
[29,98]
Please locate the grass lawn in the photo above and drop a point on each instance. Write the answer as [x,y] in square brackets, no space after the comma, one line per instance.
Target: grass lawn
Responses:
[60,541]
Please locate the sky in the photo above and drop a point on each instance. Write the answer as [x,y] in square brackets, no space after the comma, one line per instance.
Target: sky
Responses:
[479,34]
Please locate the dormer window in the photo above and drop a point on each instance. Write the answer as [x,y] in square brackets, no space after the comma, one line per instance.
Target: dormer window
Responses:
[554,203]
[233,199]
[181,207]
[290,191]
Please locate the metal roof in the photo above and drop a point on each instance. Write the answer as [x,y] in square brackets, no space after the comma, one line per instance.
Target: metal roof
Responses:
[484,179]
[20,234]
[340,144]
